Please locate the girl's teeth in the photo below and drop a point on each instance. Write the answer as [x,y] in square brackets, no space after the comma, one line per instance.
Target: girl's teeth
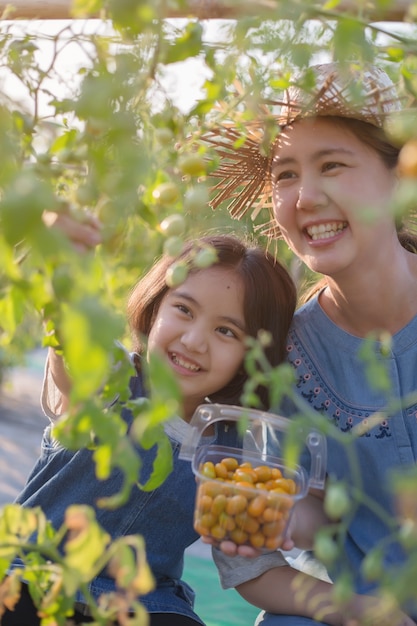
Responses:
[186,364]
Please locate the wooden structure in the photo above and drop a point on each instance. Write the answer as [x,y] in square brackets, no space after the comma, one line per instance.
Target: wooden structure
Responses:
[216,9]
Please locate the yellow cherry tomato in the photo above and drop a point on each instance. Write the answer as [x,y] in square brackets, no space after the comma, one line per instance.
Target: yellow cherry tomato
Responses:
[221,470]
[218,504]
[257,506]
[236,504]
[231,463]
[204,503]
[245,504]
[208,470]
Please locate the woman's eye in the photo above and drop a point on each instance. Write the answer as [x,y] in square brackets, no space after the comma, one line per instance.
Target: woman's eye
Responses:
[331,166]
[287,175]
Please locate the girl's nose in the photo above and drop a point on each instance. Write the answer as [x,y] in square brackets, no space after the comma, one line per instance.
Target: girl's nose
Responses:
[194,339]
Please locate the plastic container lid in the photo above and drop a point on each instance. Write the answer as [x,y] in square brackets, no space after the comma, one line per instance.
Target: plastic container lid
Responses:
[264,435]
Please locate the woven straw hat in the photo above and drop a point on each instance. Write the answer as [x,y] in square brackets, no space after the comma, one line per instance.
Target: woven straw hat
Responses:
[365,94]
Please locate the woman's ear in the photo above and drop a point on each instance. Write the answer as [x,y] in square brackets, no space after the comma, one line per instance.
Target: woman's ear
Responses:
[407,160]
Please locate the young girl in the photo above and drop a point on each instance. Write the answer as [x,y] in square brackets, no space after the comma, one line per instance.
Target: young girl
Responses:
[200,328]
[332,176]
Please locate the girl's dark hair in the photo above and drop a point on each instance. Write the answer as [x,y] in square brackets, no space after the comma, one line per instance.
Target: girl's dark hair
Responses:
[268,304]
[374,138]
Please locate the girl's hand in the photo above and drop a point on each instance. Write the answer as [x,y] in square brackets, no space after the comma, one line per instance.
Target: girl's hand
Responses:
[83,233]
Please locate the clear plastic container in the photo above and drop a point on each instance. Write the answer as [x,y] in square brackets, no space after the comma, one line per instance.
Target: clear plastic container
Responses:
[244,494]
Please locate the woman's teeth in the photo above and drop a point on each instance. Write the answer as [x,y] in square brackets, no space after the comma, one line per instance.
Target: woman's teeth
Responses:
[325,231]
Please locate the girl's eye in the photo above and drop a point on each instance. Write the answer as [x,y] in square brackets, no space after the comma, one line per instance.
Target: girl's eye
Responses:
[223,330]
[182,308]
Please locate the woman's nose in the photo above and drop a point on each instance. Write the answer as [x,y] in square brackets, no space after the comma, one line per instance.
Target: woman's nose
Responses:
[311,196]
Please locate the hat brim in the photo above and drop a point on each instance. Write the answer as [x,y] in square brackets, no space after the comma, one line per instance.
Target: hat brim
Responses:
[244,172]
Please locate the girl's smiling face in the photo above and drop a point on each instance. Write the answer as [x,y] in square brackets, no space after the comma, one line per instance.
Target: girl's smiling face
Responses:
[330,194]
[200,328]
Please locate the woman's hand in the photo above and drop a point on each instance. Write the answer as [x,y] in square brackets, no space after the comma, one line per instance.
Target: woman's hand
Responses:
[232,549]
[369,611]
[83,232]
[229,548]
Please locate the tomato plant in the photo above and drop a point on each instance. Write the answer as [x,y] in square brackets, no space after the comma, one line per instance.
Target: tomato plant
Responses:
[122,143]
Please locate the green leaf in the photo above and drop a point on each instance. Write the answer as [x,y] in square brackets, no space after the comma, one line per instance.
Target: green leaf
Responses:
[187,45]
[86,542]
[350,41]
[163,463]
[22,205]
[130,567]
[83,8]
[75,431]
[330,5]
[89,357]
[163,383]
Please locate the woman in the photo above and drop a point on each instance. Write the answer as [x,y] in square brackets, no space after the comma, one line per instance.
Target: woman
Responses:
[332,178]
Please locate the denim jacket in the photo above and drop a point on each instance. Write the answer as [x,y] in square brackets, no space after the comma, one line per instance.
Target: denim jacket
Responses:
[164,517]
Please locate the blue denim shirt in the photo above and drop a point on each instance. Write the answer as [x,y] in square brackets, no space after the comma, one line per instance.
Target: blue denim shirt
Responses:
[164,517]
[332,378]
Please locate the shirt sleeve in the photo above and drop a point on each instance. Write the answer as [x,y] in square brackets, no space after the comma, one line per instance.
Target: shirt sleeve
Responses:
[235,570]
[53,401]
[51,397]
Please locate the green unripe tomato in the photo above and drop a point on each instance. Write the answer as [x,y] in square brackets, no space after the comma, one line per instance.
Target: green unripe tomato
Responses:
[96,127]
[176,274]
[373,566]
[336,501]
[166,193]
[173,225]
[325,549]
[408,534]
[192,165]
[386,343]
[86,195]
[173,246]
[342,590]
[164,136]
[44,158]
[205,258]
[196,199]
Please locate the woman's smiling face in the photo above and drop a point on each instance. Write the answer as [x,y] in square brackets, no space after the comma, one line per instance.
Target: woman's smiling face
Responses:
[330,192]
